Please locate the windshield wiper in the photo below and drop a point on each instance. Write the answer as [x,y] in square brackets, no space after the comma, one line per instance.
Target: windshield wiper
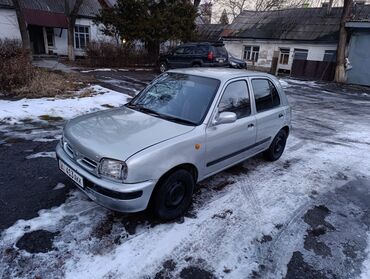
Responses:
[141,108]
[177,120]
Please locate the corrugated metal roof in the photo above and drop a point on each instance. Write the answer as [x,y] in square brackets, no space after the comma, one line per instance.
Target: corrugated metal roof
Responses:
[306,24]
[89,8]
[210,32]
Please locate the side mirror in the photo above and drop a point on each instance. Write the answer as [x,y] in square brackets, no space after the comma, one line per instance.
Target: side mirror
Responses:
[225,117]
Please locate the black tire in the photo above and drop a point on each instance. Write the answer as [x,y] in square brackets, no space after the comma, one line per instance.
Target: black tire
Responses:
[277,147]
[173,195]
[163,66]
[196,65]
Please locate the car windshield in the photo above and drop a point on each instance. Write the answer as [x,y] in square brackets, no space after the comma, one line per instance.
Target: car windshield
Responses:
[180,98]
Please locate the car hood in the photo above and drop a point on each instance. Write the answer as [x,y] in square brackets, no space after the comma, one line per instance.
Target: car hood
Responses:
[119,133]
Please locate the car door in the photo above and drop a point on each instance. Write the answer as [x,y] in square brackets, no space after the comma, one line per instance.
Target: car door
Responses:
[269,111]
[176,59]
[229,143]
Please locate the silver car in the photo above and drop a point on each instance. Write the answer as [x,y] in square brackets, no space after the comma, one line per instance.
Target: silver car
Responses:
[185,126]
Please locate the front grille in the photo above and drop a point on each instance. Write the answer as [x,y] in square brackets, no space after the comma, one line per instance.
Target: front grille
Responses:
[85,162]
[69,150]
[88,163]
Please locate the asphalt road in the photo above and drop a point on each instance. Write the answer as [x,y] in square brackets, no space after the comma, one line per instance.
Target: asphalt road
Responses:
[333,225]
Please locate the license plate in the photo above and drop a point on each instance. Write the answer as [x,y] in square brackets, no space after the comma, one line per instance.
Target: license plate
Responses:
[221,60]
[71,173]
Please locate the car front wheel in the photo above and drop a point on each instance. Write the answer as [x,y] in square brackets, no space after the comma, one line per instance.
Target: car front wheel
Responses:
[173,195]
[277,146]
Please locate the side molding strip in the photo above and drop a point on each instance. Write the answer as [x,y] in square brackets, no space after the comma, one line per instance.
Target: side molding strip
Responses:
[237,152]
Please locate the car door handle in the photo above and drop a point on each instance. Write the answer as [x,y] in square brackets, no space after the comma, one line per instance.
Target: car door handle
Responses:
[250,125]
[281,115]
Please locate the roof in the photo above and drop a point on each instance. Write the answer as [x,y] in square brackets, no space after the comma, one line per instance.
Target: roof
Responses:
[89,8]
[302,24]
[210,32]
[222,74]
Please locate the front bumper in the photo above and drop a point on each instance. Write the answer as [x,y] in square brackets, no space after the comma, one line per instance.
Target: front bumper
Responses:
[123,197]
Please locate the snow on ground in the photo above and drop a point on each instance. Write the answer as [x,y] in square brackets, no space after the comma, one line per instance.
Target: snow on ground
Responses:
[42,119]
[98,70]
[42,155]
[225,234]
[366,264]
[32,109]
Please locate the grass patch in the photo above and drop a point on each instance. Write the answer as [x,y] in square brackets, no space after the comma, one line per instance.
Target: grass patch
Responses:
[50,118]
[46,83]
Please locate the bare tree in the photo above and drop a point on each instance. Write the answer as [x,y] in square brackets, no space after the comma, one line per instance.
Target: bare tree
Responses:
[71,15]
[340,73]
[22,25]
[235,7]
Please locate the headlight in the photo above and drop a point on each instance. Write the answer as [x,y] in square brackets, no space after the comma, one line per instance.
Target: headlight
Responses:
[233,64]
[113,169]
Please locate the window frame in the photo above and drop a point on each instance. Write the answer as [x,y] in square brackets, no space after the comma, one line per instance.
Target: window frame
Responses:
[283,54]
[252,54]
[51,44]
[248,94]
[254,96]
[76,34]
[299,52]
[332,53]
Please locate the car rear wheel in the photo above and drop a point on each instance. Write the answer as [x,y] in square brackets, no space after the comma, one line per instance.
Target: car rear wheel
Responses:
[163,67]
[173,195]
[277,147]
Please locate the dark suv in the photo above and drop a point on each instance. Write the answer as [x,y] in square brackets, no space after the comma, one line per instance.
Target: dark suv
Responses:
[195,55]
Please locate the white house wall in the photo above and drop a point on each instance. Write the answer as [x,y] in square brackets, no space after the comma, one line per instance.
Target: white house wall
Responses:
[267,48]
[60,38]
[9,25]
[9,30]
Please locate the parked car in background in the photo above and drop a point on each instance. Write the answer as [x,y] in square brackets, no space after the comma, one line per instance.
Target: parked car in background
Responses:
[237,63]
[194,55]
[187,125]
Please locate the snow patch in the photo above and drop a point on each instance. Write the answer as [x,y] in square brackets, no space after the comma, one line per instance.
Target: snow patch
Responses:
[12,112]
[42,155]
[59,186]
[99,70]
[365,273]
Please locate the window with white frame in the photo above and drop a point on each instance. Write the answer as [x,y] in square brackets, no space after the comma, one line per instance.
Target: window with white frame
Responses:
[284,56]
[82,36]
[251,53]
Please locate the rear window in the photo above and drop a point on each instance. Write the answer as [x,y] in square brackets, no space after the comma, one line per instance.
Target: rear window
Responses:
[220,51]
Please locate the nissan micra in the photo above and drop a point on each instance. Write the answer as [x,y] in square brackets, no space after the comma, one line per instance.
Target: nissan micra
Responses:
[185,126]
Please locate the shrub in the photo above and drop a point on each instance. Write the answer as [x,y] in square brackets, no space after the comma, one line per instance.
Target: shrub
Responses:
[15,66]
[103,54]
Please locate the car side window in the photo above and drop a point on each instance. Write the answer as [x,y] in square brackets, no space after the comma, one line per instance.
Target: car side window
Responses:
[236,99]
[265,94]
[188,50]
[201,50]
[179,51]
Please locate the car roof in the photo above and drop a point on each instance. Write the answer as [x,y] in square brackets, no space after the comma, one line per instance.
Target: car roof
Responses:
[222,74]
[202,44]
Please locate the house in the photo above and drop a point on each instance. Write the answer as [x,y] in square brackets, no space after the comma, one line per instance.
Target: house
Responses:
[359,51]
[47,25]
[210,32]
[299,41]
